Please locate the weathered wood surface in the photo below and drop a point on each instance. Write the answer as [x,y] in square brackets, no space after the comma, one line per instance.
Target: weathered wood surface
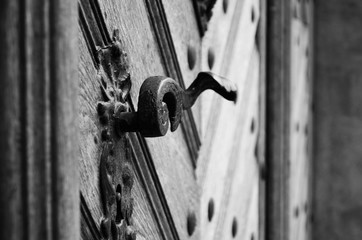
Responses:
[224,54]
[90,150]
[221,168]
[170,154]
[230,167]
[218,45]
[288,119]
[277,119]
[337,212]
[260,152]
[227,169]
[39,175]
[239,197]
[187,41]
[161,28]
[300,121]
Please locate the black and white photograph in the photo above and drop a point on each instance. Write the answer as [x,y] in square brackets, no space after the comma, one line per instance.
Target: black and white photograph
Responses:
[181,120]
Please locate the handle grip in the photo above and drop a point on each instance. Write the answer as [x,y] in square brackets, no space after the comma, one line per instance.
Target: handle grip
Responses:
[161,101]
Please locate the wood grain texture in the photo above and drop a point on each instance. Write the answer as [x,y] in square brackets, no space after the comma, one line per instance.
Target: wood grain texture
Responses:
[277,119]
[161,27]
[170,154]
[261,39]
[300,120]
[289,119]
[186,38]
[228,170]
[218,44]
[235,54]
[240,196]
[39,177]
[186,35]
[90,149]
[337,128]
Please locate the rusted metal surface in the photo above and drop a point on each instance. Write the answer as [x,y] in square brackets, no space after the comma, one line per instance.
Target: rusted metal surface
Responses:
[114,78]
[116,177]
[161,100]
[203,10]
[116,182]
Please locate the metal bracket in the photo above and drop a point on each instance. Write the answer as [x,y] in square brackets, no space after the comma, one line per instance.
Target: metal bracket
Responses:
[114,77]
[116,177]
[116,182]
[161,101]
[203,10]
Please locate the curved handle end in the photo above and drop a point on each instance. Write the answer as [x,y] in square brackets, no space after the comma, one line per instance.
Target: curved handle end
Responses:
[209,80]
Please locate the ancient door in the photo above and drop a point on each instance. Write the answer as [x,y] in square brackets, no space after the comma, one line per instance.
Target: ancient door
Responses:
[200,181]
[126,148]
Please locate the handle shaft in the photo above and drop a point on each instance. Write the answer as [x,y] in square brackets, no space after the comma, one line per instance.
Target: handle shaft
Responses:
[208,80]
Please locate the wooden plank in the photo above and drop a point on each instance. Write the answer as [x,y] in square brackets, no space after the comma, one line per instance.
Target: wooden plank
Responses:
[218,44]
[39,177]
[239,202]
[173,68]
[289,94]
[11,146]
[277,119]
[228,137]
[187,39]
[300,99]
[261,40]
[236,55]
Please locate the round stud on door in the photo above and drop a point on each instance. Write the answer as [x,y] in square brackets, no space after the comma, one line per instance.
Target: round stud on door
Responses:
[296,212]
[252,126]
[210,58]
[210,210]
[225,5]
[191,223]
[191,57]
[252,14]
[234,228]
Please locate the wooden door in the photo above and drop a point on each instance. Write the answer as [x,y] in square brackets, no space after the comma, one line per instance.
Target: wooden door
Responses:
[164,190]
[229,171]
[201,181]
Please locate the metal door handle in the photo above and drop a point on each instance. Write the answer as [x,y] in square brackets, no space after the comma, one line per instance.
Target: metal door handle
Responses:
[161,100]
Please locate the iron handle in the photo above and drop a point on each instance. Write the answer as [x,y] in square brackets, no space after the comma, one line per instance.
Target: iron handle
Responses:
[161,101]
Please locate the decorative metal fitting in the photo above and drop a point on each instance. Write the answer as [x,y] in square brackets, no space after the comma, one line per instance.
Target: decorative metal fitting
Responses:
[116,182]
[116,177]
[203,10]
[161,100]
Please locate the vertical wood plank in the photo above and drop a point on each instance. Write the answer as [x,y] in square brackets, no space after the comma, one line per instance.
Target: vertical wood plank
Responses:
[227,170]
[261,39]
[300,119]
[277,114]
[288,118]
[38,178]
[11,144]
